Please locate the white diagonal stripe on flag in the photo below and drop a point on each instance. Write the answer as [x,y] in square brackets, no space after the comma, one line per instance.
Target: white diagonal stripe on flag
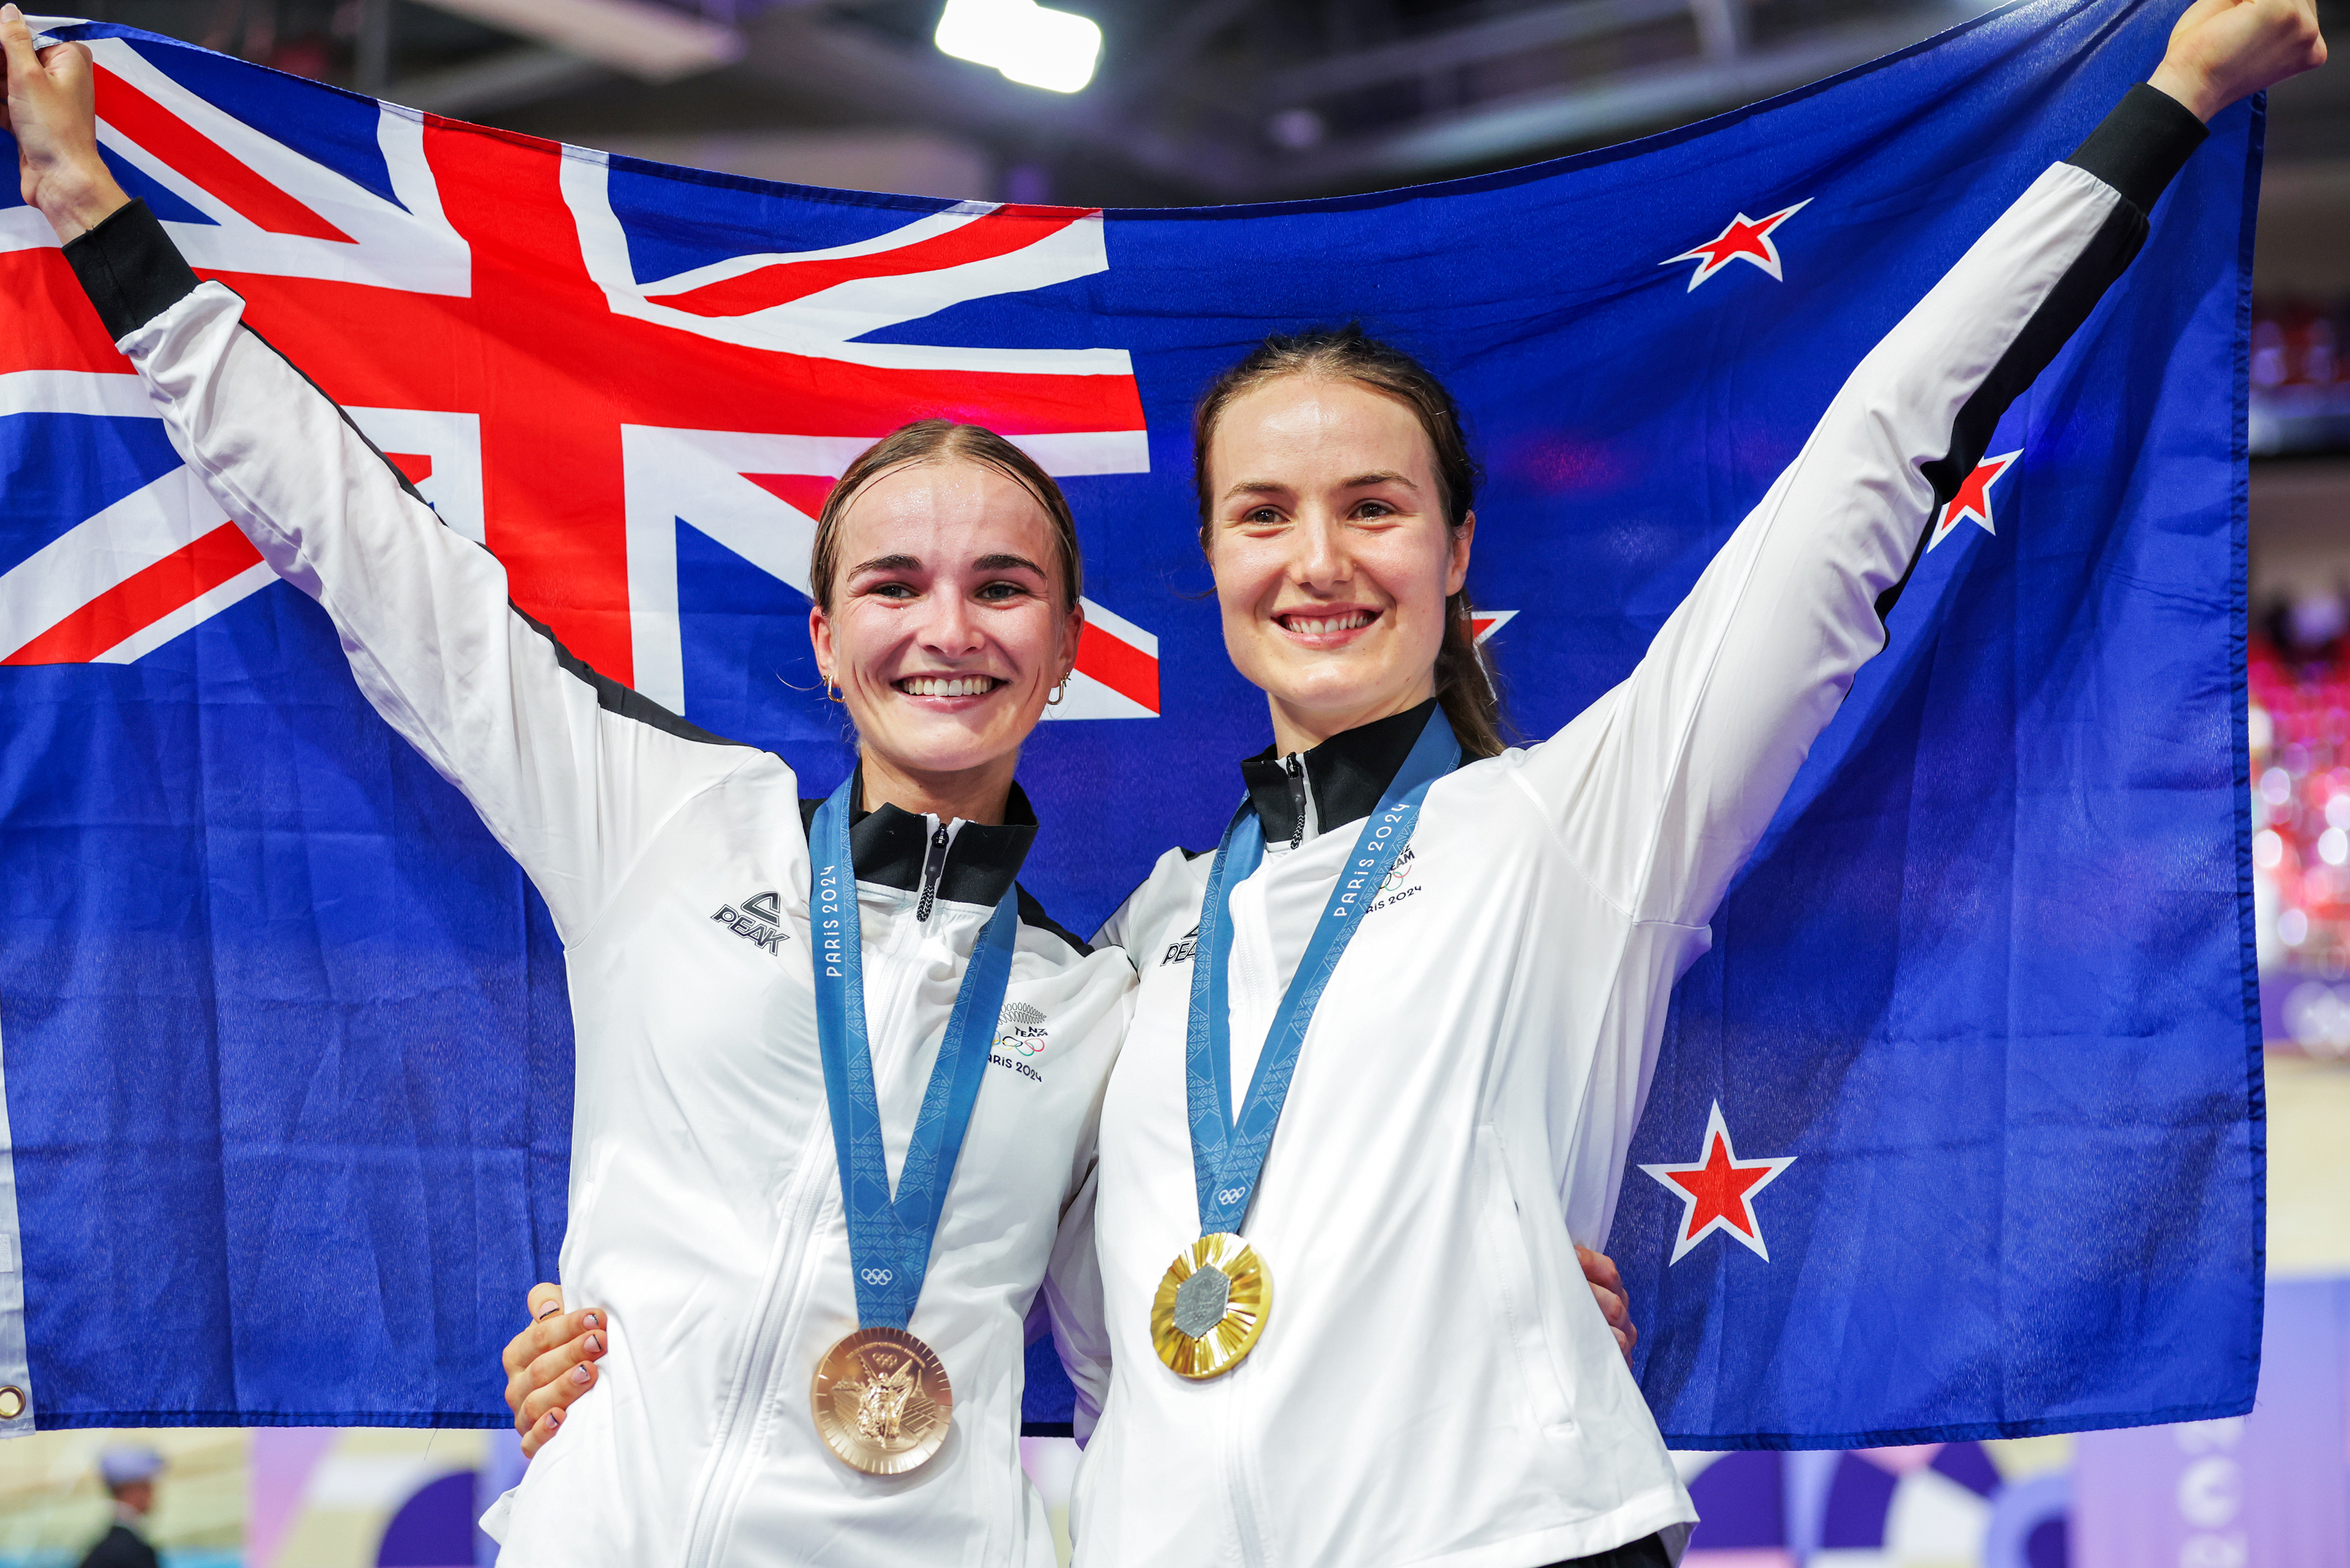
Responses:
[98,555]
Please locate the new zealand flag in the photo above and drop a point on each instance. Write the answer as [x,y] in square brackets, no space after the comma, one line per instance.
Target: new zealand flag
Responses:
[1956,1132]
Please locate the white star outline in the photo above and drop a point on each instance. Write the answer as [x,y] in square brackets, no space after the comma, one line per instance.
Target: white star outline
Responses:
[1709,263]
[1752,1238]
[1949,518]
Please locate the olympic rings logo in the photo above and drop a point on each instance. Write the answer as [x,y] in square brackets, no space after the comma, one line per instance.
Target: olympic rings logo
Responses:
[1232,1194]
[876,1276]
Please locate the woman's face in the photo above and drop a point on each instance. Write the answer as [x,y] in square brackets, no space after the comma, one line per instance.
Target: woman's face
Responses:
[1330,551]
[945,637]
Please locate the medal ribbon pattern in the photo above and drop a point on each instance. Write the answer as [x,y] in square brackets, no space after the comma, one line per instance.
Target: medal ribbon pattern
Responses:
[890,1238]
[1227,1152]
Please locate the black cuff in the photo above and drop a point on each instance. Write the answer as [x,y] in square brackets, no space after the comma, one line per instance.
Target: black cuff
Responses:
[129,269]
[2144,142]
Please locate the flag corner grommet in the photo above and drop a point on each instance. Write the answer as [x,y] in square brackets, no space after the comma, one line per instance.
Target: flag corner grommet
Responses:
[12,1402]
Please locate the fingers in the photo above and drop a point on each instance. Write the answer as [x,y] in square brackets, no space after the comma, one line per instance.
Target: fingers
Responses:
[67,64]
[547,1328]
[17,38]
[1599,1268]
[546,1334]
[1607,1289]
[550,1384]
[536,1438]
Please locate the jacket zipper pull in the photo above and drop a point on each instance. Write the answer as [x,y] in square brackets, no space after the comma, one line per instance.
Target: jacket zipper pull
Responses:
[1297,800]
[933,863]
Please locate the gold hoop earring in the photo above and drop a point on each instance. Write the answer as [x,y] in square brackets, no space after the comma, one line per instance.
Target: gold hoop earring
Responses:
[1059,692]
[831,692]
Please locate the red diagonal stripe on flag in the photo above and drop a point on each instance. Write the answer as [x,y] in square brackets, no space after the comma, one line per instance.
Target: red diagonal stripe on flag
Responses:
[206,161]
[1118,665]
[802,491]
[999,234]
[141,599]
[416,466]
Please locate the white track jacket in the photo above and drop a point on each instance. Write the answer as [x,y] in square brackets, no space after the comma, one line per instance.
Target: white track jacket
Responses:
[1435,1384]
[705,1202]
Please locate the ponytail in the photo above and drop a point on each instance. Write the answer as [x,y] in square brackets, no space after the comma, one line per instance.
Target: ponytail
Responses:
[1464,684]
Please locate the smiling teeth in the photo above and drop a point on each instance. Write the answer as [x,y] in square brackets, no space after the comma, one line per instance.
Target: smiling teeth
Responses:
[957,686]
[1306,628]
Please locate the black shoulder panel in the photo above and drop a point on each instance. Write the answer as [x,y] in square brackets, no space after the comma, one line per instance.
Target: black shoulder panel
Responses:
[2076,294]
[613,697]
[1032,913]
[340,412]
[2138,149]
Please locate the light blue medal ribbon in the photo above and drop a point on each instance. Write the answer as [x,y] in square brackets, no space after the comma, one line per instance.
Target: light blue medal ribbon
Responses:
[1227,1151]
[890,1238]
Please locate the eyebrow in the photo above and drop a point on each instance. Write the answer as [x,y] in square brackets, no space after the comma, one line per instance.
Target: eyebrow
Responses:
[887,563]
[1002,563]
[1360,481]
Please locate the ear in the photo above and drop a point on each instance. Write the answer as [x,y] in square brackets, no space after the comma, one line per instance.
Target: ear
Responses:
[1072,631]
[1456,568]
[820,637]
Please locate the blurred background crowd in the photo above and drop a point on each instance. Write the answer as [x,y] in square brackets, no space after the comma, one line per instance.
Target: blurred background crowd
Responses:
[1159,102]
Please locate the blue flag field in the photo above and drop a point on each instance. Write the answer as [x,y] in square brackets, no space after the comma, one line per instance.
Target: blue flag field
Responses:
[1957,1131]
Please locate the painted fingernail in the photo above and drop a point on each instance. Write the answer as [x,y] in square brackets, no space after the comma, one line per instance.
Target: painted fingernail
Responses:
[594,1345]
[554,1419]
[580,1375]
[587,1319]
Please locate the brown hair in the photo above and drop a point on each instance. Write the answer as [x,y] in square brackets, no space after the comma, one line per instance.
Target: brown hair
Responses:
[942,441]
[1464,680]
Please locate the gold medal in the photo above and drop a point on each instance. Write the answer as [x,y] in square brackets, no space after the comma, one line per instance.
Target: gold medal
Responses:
[882,1401]
[1210,1306]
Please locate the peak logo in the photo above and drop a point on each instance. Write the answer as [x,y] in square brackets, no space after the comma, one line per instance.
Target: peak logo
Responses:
[1182,949]
[760,921]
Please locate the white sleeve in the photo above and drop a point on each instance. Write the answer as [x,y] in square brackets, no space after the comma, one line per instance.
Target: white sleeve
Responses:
[572,772]
[1072,1304]
[1662,788]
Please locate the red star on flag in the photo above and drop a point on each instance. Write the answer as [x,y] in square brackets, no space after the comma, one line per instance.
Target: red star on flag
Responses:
[1717,1191]
[1973,499]
[1746,239]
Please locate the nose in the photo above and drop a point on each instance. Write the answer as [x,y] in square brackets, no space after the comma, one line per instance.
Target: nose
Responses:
[1319,561]
[950,630]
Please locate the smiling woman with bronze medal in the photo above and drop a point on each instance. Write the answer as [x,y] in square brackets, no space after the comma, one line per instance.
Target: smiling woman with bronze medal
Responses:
[858,1385]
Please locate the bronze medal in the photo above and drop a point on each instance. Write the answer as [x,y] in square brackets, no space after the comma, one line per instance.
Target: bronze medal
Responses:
[1210,1306]
[882,1401]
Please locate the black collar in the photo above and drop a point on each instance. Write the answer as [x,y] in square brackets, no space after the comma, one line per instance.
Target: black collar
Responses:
[890,846]
[1345,773]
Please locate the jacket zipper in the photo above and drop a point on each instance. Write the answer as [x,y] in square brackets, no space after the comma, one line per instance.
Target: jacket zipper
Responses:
[752,1387]
[1296,765]
[933,863]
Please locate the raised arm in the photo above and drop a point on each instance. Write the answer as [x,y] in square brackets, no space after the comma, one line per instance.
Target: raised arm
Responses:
[1664,787]
[572,771]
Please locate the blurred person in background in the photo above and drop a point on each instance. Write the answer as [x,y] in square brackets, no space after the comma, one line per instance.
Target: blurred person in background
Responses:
[129,1476]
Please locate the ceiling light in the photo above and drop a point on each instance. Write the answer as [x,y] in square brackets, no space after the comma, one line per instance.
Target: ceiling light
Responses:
[1030,44]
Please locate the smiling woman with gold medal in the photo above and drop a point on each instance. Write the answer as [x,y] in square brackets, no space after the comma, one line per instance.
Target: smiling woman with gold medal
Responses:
[1391,1039]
